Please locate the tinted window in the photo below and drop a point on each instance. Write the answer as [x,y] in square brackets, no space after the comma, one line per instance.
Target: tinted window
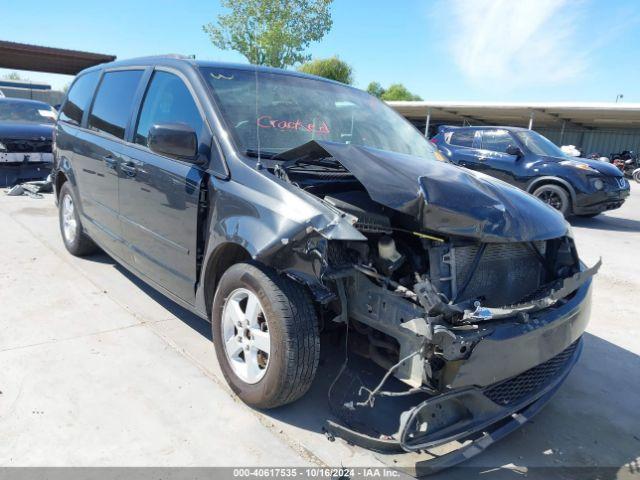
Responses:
[539,144]
[112,106]
[461,138]
[167,100]
[79,97]
[496,140]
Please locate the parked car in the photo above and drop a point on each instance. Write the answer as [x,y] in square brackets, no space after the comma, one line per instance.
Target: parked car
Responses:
[278,205]
[529,161]
[26,128]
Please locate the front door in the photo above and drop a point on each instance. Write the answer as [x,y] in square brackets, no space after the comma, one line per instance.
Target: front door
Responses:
[159,195]
[98,154]
[497,162]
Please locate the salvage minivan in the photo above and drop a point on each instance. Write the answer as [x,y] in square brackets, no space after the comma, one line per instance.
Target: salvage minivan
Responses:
[279,205]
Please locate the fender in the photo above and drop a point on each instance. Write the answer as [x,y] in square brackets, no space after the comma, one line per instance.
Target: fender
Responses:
[64,166]
[551,179]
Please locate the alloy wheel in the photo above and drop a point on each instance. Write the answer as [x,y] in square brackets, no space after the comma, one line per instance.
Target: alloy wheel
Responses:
[551,198]
[245,335]
[69,222]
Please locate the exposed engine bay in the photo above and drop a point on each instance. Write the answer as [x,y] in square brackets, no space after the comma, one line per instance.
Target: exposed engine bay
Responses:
[418,300]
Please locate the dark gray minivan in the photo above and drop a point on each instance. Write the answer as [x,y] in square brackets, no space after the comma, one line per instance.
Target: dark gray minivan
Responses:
[279,205]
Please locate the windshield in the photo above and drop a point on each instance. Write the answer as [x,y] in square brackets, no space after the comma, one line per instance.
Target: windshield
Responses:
[538,144]
[290,111]
[26,112]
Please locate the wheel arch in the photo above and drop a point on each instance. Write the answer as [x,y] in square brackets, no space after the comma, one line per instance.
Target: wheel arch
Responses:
[64,173]
[221,259]
[61,179]
[540,181]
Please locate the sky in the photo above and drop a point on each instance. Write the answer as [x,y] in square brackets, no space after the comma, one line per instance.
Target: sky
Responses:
[449,50]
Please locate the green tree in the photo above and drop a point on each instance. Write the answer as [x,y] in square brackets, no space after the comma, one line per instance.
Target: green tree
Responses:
[375,89]
[271,32]
[397,91]
[332,68]
[13,76]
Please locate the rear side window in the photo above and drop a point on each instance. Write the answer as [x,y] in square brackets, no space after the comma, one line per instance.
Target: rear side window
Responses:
[167,100]
[496,140]
[113,103]
[461,138]
[79,97]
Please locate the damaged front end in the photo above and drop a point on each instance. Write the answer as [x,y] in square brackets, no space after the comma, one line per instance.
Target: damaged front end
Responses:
[468,291]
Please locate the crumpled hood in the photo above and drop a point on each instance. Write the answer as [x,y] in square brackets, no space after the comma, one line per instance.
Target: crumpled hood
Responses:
[441,196]
[25,131]
[604,168]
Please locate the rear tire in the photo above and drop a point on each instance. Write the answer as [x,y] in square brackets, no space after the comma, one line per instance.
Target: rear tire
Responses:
[76,241]
[554,196]
[636,175]
[285,324]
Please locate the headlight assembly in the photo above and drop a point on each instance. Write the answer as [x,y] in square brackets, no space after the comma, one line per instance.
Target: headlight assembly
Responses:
[3,147]
[597,184]
[577,164]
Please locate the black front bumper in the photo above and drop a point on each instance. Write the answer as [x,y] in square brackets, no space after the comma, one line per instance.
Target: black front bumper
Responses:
[485,416]
[593,203]
[509,375]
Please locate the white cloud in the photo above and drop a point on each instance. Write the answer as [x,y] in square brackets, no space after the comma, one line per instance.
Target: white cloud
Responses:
[515,43]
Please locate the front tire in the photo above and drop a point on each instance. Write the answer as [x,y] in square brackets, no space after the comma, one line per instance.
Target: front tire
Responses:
[554,196]
[76,241]
[265,332]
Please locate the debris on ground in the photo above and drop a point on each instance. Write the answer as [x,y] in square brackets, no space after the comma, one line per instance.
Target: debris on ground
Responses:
[33,189]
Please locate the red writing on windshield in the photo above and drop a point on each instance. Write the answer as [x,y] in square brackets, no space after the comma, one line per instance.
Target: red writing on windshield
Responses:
[266,121]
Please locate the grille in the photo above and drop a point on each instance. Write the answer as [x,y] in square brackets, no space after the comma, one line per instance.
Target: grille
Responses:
[26,146]
[614,183]
[506,273]
[515,389]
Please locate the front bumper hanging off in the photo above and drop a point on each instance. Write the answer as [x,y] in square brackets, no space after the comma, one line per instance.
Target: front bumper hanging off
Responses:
[477,417]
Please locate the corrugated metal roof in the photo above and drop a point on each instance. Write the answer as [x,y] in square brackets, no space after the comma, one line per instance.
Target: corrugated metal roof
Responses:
[576,115]
[22,56]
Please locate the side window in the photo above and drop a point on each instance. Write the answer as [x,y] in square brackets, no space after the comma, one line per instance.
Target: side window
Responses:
[168,100]
[496,140]
[79,97]
[461,138]
[112,106]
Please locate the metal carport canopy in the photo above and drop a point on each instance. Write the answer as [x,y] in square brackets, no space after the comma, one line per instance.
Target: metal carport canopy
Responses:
[21,56]
[589,115]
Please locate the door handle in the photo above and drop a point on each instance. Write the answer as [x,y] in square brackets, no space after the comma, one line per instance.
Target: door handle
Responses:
[129,169]
[482,159]
[110,161]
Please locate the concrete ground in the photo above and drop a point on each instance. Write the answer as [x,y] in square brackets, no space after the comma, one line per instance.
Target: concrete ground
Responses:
[97,369]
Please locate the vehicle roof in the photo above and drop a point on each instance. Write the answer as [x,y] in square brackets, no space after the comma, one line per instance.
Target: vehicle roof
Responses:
[24,100]
[485,127]
[181,61]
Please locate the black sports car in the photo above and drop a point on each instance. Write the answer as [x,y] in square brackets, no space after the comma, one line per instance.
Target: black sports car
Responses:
[26,131]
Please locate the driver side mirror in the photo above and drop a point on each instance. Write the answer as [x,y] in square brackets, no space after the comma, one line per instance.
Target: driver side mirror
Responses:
[513,150]
[174,140]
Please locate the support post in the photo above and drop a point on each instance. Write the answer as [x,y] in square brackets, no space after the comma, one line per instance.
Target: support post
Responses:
[531,120]
[562,132]
[427,122]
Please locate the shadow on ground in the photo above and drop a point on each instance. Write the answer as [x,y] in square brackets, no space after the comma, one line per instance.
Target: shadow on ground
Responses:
[586,431]
[604,222]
